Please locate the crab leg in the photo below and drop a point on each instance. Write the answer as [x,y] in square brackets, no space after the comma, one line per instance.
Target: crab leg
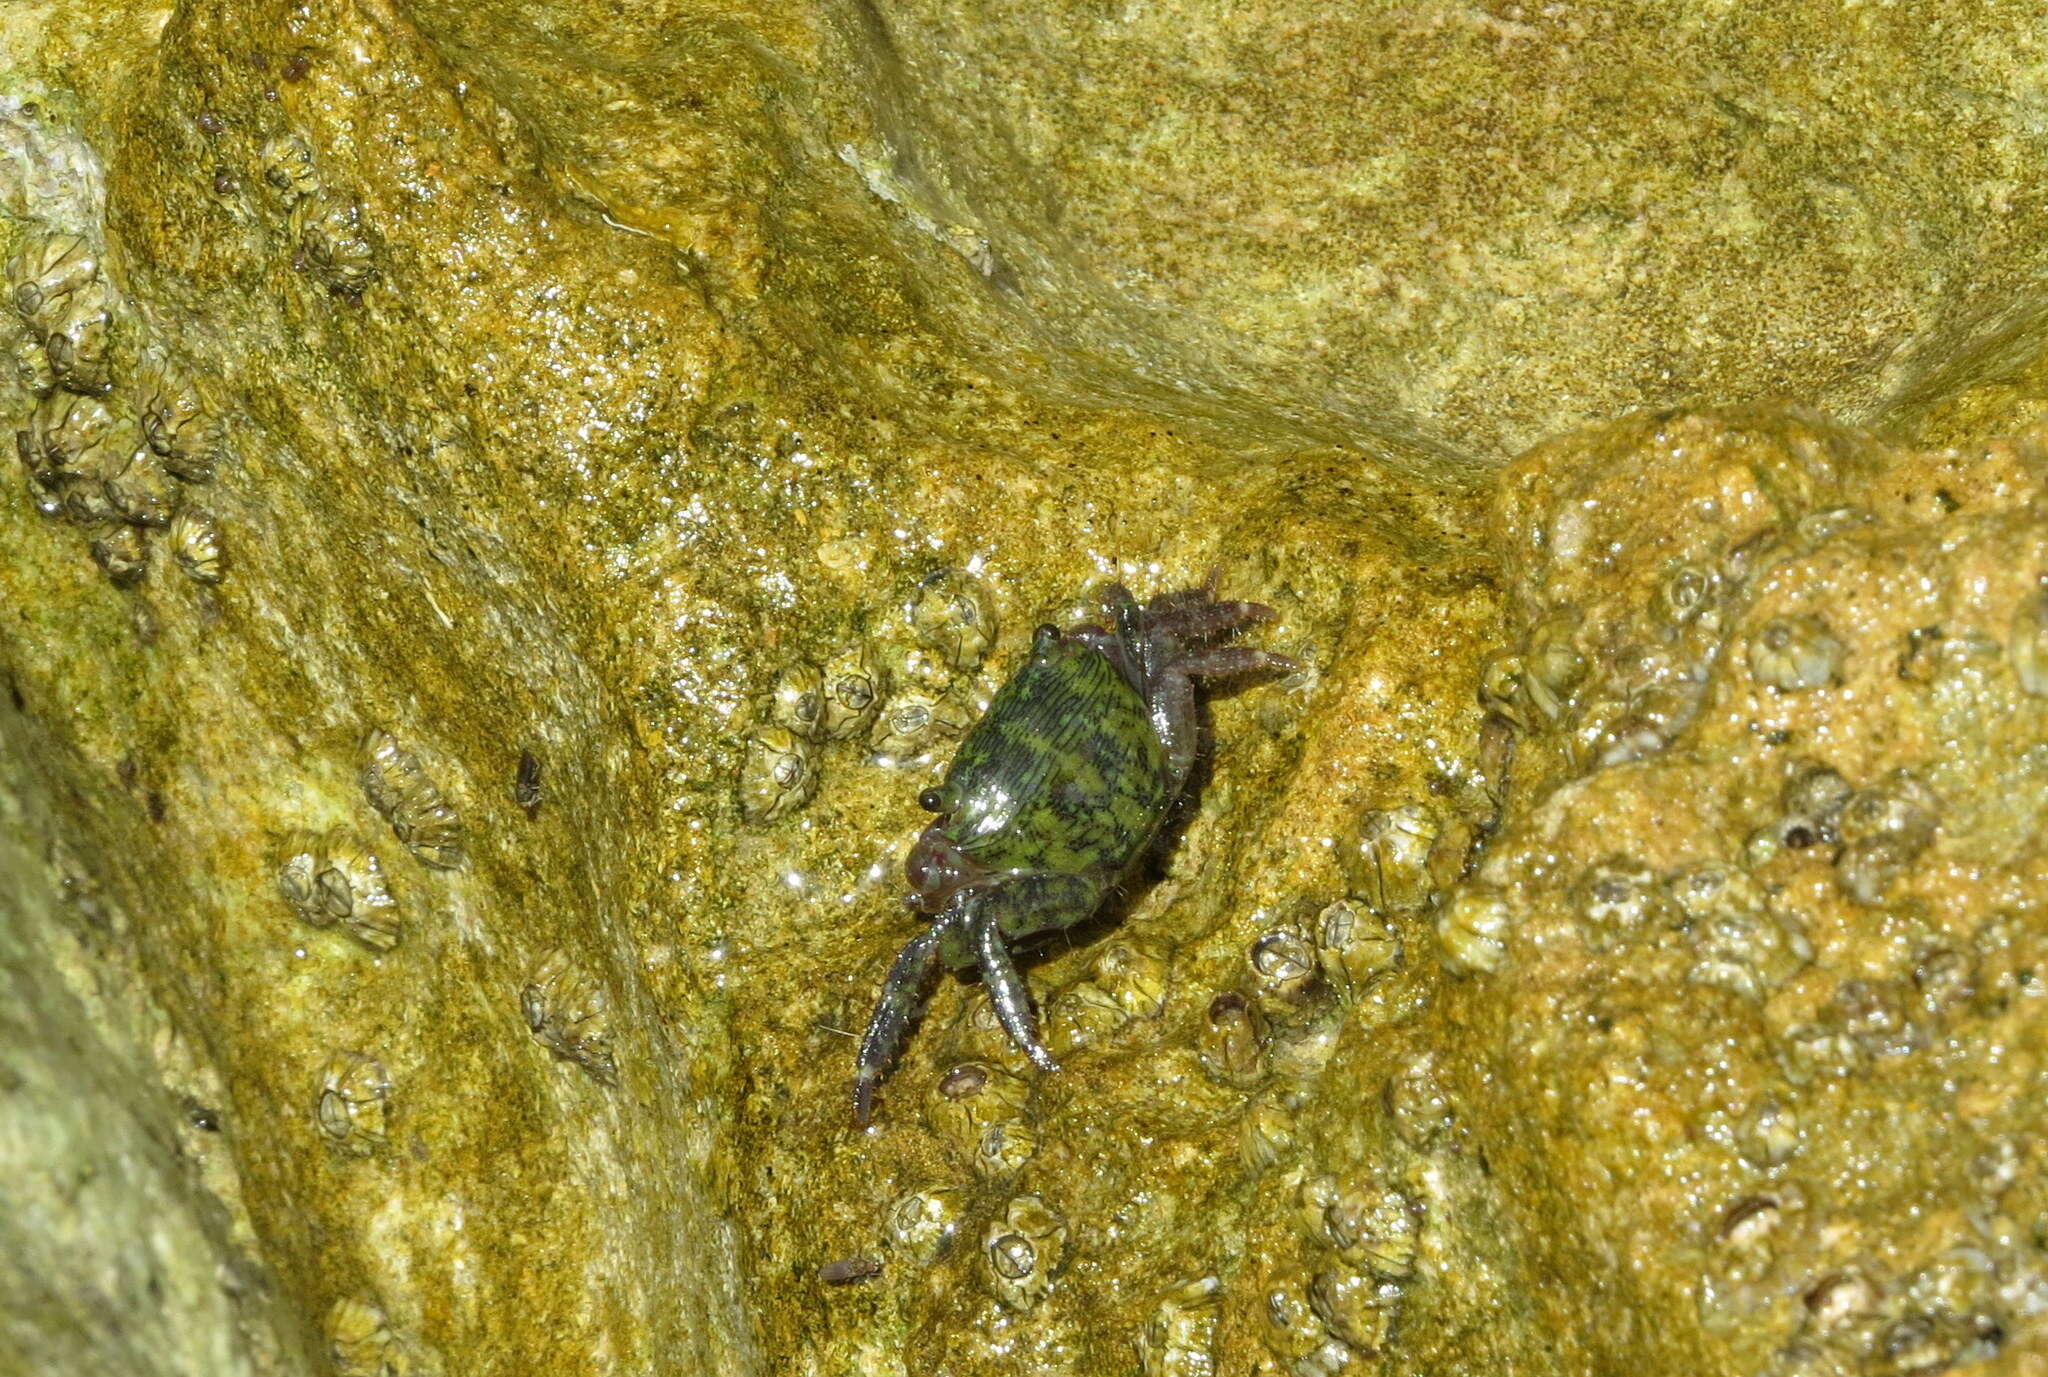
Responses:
[1005,987]
[902,995]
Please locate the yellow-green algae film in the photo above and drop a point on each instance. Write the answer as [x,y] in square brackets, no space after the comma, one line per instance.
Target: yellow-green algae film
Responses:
[517,500]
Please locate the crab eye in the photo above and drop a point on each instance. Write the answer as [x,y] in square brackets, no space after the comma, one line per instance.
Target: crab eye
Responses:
[932,801]
[1045,636]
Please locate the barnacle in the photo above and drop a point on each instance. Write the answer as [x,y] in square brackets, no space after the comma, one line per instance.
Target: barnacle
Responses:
[796,702]
[1792,653]
[1134,974]
[1085,1013]
[69,436]
[76,341]
[1354,946]
[288,165]
[915,721]
[333,878]
[1374,1226]
[123,553]
[336,244]
[952,616]
[1283,963]
[398,787]
[777,775]
[1552,666]
[144,494]
[1179,1340]
[1299,1336]
[923,1223]
[180,422]
[360,1342]
[1884,829]
[1357,1307]
[1233,1043]
[1472,931]
[852,693]
[1813,797]
[45,271]
[568,1012]
[32,366]
[354,1106]
[970,1099]
[1501,691]
[196,545]
[1005,1147]
[1616,901]
[1265,1136]
[1388,863]
[1685,592]
[1022,1250]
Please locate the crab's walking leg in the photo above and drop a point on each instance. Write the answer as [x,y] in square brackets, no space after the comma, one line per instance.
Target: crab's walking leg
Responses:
[1005,987]
[902,994]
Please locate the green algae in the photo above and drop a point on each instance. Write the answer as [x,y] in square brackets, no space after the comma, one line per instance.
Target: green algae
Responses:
[693,343]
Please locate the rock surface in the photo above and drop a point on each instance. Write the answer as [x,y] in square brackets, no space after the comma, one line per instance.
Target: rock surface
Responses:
[518,500]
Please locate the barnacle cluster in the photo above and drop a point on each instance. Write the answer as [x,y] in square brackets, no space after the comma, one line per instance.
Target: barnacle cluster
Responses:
[900,693]
[569,1012]
[331,879]
[118,429]
[420,815]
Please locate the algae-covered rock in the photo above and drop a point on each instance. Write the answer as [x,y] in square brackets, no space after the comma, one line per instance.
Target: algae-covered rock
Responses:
[518,502]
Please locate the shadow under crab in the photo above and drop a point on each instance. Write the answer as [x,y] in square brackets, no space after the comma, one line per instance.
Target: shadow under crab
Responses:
[1055,800]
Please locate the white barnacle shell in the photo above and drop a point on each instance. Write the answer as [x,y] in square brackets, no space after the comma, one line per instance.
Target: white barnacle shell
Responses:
[796,700]
[1359,1308]
[1265,1136]
[923,1223]
[298,871]
[70,436]
[1619,900]
[953,617]
[354,1104]
[1388,863]
[1552,667]
[1232,1047]
[399,788]
[1022,1251]
[77,339]
[853,693]
[32,366]
[1374,1226]
[778,774]
[180,421]
[915,721]
[1472,931]
[351,888]
[360,1342]
[196,545]
[336,244]
[1180,1338]
[964,1102]
[1355,946]
[1883,829]
[1283,964]
[122,553]
[1794,653]
[288,165]
[569,1012]
[46,271]
[1134,973]
[1006,1145]
[1084,1014]
[1685,592]
[143,493]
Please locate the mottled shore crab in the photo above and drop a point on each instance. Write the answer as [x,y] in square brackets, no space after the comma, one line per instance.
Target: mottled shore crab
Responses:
[1054,798]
